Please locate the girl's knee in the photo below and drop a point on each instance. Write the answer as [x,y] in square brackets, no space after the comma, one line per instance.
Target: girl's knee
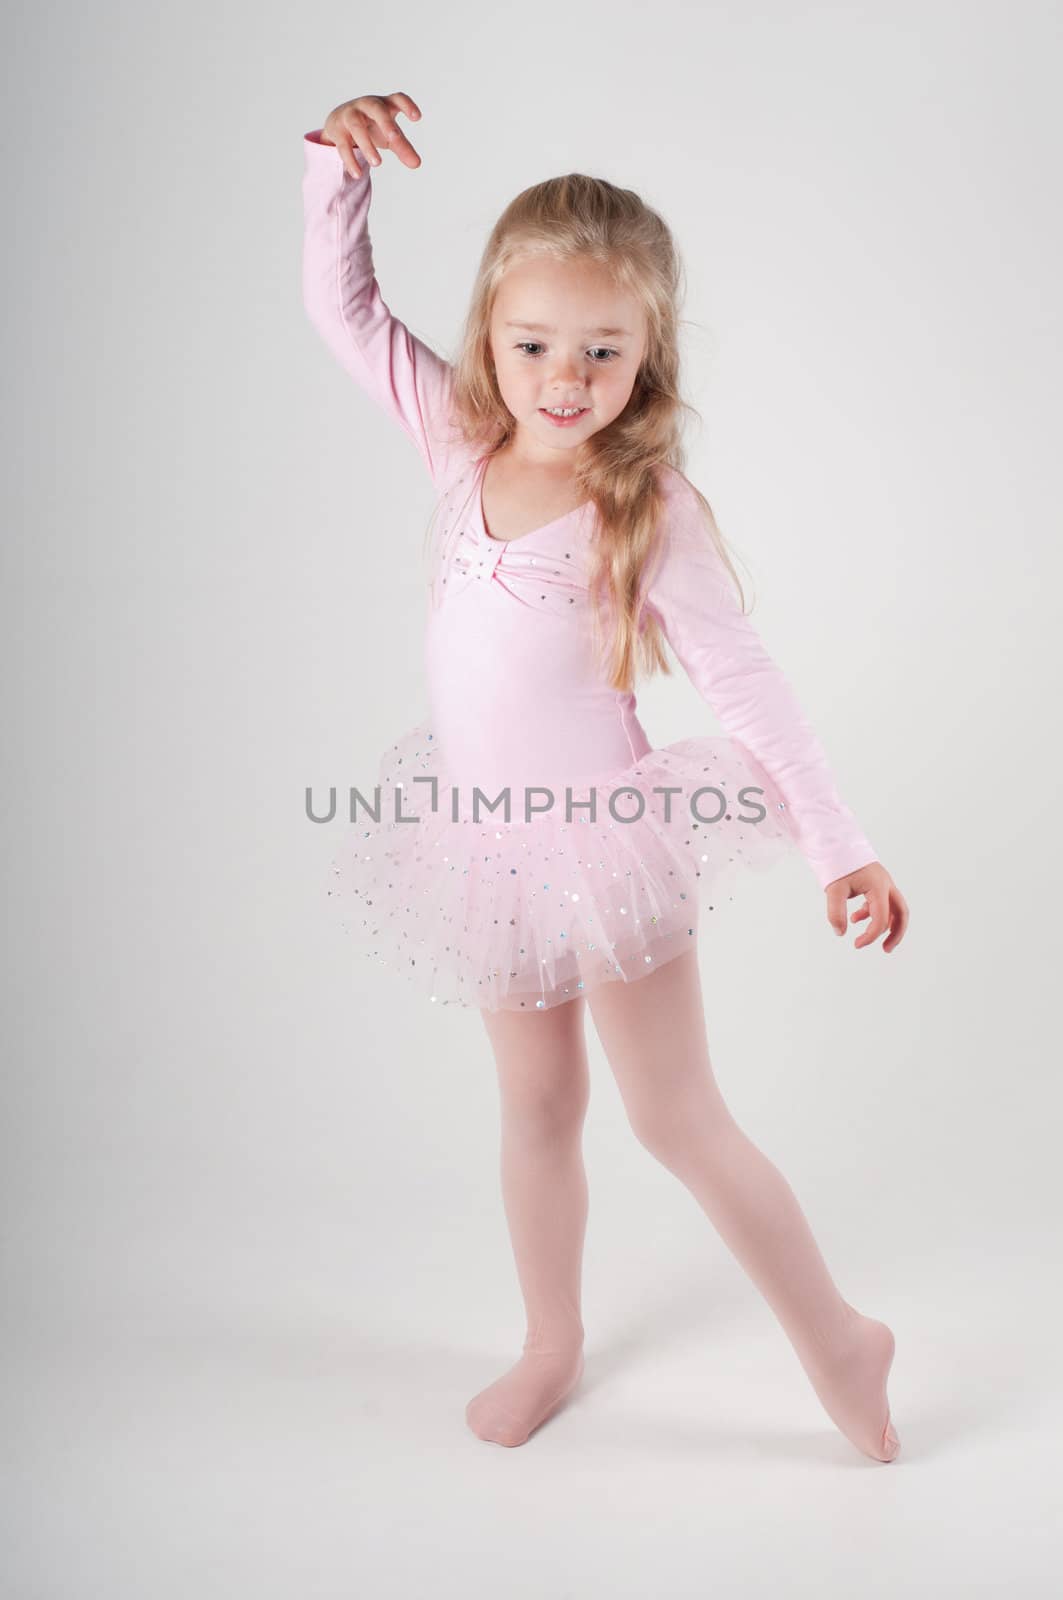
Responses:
[549,1103]
[667,1127]
[546,1124]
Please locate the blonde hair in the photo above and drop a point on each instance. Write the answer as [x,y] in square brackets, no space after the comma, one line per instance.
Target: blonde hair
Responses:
[582,218]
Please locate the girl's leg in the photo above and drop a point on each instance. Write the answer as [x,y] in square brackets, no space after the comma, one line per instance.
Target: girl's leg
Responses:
[544,1090]
[653,1032]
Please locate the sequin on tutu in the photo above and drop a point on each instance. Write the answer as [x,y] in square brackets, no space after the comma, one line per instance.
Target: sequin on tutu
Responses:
[527,914]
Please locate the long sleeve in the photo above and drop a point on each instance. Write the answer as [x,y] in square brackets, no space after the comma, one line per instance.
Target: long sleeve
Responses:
[343,302]
[693,597]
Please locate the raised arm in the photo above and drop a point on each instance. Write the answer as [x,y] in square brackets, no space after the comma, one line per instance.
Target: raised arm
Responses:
[343,301]
[693,597]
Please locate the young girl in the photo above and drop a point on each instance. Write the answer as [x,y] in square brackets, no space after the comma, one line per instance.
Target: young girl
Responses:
[531,853]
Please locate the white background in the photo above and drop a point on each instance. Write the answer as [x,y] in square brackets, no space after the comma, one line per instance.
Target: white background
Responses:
[255,1253]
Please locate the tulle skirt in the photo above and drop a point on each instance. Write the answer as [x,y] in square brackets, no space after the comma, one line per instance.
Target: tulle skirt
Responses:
[527,913]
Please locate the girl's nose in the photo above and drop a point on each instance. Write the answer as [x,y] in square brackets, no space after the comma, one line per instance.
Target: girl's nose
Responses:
[567,374]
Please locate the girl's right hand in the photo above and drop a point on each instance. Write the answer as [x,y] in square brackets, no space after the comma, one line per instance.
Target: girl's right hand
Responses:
[366,122]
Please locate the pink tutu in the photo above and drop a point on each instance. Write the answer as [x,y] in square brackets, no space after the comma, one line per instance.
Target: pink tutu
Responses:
[507,915]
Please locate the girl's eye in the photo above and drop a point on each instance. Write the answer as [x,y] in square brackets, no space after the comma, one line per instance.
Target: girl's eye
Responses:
[604,350]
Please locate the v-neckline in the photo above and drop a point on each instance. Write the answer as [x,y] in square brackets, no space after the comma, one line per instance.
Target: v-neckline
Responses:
[520,538]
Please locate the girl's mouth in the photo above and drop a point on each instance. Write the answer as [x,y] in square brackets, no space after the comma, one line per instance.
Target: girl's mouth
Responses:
[564,422]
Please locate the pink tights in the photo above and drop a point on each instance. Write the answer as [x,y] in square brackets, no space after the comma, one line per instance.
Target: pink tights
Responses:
[653,1033]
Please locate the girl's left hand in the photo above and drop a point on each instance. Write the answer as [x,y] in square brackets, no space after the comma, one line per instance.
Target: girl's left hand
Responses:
[883,903]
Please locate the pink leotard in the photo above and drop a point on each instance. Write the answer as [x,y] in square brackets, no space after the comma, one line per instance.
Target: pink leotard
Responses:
[515,693]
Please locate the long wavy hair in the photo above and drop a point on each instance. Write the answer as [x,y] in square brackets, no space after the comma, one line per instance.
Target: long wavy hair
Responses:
[575,218]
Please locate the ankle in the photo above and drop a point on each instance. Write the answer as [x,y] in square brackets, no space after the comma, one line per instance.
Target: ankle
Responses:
[561,1339]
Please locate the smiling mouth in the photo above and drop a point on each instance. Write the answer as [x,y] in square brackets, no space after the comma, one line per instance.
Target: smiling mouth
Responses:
[564,411]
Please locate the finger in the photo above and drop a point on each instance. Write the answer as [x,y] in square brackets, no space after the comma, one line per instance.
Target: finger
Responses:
[392,135]
[360,128]
[860,913]
[879,903]
[404,103]
[345,145]
[899,923]
[836,903]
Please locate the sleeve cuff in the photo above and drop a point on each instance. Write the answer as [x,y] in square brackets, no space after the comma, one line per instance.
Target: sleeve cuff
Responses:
[843,866]
[326,159]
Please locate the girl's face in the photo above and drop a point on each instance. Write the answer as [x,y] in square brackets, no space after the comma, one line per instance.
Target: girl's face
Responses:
[562,334]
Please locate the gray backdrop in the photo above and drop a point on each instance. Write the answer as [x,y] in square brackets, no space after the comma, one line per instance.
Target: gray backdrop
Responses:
[255,1254]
